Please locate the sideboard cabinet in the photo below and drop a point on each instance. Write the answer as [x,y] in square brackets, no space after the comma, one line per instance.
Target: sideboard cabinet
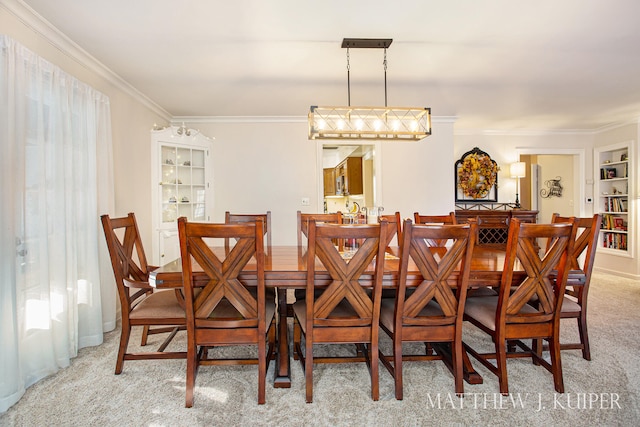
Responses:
[493,225]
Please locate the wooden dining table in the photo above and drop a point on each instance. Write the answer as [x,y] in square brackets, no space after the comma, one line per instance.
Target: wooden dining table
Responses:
[286,268]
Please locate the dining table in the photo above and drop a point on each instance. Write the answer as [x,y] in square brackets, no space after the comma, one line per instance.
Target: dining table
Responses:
[286,268]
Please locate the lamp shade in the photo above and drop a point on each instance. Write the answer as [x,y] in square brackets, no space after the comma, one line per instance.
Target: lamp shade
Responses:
[518,170]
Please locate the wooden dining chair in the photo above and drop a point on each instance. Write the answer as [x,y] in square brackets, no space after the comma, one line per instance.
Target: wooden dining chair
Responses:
[449,219]
[230,218]
[342,304]
[574,305]
[221,309]
[158,312]
[509,316]
[303,222]
[432,311]
[395,227]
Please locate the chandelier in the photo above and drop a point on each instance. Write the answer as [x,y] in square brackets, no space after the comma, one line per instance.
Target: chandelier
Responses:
[381,123]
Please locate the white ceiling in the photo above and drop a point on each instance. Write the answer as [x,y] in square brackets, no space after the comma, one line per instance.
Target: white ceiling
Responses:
[495,64]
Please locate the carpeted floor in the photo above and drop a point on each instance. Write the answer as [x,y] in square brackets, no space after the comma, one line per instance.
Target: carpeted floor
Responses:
[604,391]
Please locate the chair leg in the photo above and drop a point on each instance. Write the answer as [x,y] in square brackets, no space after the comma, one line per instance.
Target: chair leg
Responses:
[145,335]
[556,364]
[124,342]
[308,371]
[458,373]
[375,371]
[296,337]
[192,365]
[501,364]
[397,368]
[584,335]
[262,370]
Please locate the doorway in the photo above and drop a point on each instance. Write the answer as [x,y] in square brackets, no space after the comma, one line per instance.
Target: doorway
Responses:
[556,183]
[334,153]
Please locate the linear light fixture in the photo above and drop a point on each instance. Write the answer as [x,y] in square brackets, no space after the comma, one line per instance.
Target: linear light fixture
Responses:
[382,123]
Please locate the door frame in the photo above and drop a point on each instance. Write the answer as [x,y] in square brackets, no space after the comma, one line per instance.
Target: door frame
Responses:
[579,167]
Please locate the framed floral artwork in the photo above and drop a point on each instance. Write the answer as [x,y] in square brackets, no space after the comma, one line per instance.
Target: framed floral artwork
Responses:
[476,177]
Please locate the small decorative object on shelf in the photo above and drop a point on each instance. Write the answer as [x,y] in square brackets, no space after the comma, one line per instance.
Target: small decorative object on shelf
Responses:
[476,177]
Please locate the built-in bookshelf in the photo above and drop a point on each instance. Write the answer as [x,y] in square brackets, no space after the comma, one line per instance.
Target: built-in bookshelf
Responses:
[613,163]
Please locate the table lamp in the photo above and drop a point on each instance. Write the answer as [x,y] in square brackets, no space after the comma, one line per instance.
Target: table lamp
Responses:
[518,170]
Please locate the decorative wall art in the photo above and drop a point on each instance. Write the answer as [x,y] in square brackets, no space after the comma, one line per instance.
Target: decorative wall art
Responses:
[476,177]
[554,188]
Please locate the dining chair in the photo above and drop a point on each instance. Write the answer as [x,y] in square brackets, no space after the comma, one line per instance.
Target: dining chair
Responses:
[509,316]
[574,305]
[230,218]
[343,294]
[222,310]
[432,311]
[303,222]
[156,311]
[395,226]
[449,219]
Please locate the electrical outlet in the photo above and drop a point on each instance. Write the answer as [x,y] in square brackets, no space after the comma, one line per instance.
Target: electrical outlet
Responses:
[305,201]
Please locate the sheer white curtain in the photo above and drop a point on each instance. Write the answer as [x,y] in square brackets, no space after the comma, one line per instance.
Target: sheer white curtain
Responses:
[55,136]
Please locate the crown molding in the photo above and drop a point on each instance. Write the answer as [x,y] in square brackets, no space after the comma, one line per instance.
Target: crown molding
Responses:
[60,41]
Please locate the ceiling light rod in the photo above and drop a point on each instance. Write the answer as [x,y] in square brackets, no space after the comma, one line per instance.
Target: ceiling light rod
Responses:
[366,44]
[383,123]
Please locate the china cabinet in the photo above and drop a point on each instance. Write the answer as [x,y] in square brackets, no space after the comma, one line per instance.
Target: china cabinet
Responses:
[181,185]
[614,185]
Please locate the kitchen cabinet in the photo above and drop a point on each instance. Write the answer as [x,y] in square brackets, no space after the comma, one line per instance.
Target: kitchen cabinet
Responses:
[329,182]
[349,177]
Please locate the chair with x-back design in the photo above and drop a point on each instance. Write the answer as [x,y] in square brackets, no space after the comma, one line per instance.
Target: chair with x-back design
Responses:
[510,316]
[574,305]
[221,309]
[429,309]
[156,311]
[343,292]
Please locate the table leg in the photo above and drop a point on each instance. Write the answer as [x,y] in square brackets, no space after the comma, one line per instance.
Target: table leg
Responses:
[470,375]
[282,376]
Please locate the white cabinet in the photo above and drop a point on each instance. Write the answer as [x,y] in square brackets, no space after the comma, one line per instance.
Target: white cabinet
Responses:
[181,186]
[614,185]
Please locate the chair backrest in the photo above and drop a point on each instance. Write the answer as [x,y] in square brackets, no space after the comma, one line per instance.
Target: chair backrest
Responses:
[546,274]
[128,258]
[395,226]
[584,248]
[223,301]
[449,219]
[303,221]
[230,218]
[436,266]
[362,306]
